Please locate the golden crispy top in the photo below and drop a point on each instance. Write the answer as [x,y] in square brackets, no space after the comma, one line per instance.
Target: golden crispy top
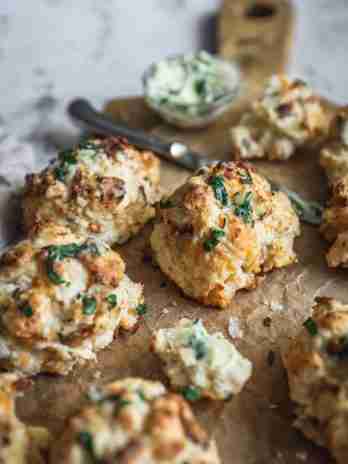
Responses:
[291,106]
[58,287]
[134,420]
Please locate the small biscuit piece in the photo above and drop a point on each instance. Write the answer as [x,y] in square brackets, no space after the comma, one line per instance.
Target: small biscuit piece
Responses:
[334,155]
[19,444]
[194,358]
[104,188]
[221,229]
[62,299]
[134,421]
[287,116]
[316,363]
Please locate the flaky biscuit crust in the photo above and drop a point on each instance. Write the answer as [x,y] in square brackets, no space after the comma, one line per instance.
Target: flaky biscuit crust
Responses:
[221,230]
[316,363]
[334,160]
[19,444]
[287,116]
[134,421]
[104,188]
[62,298]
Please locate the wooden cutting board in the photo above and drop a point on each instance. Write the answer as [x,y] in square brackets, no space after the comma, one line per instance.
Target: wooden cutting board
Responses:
[255,427]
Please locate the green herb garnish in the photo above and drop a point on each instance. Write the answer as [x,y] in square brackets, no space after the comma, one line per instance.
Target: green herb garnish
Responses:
[89,305]
[141,309]
[191,393]
[245,177]
[166,204]
[86,144]
[199,346]
[67,158]
[141,395]
[201,87]
[243,208]
[86,440]
[60,252]
[311,326]
[27,311]
[213,241]
[218,185]
[112,300]
[53,275]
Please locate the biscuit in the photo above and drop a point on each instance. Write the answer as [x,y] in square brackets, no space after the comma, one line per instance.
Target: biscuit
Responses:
[19,444]
[221,230]
[334,160]
[103,188]
[192,358]
[62,298]
[134,421]
[287,116]
[316,364]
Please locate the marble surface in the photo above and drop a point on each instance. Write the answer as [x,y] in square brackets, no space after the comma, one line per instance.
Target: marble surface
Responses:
[54,50]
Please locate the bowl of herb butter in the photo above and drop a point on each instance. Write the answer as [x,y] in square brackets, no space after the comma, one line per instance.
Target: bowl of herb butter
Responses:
[193,90]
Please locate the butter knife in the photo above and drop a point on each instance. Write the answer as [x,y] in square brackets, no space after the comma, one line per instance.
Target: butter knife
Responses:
[176,152]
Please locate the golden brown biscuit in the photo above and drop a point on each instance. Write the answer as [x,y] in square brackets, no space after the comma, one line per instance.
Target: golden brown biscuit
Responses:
[334,159]
[334,155]
[104,188]
[287,116]
[316,364]
[134,421]
[222,229]
[62,298]
[203,364]
[19,444]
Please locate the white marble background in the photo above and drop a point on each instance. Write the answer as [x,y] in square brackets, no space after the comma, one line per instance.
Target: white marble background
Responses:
[54,50]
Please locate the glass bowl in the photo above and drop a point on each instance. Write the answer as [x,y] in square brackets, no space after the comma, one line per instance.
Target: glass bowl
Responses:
[198,115]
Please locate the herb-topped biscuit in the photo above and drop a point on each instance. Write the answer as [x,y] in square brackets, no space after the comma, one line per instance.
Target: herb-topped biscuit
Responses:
[134,421]
[201,364]
[287,116]
[19,444]
[62,298]
[221,229]
[316,364]
[104,188]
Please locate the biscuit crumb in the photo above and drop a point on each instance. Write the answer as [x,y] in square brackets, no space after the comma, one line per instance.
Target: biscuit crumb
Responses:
[234,330]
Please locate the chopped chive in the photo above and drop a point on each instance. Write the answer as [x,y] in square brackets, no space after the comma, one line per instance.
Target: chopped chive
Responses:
[191,393]
[218,185]
[311,326]
[112,300]
[89,305]
[27,311]
[213,241]
[141,309]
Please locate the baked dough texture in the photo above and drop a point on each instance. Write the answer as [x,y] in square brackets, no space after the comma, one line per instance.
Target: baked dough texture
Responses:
[222,229]
[134,421]
[316,363]
[334,160]
[62,298]
[104,188]
[287,116]
[19,444]
[193,358]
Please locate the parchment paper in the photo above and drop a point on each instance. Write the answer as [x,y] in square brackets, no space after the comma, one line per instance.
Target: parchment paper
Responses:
[255,426]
